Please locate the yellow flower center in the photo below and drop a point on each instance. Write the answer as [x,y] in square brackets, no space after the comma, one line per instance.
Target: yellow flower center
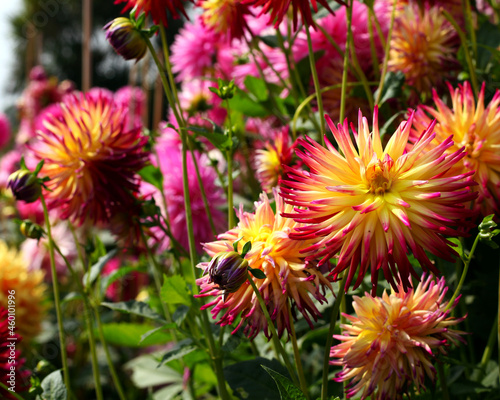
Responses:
[377,177]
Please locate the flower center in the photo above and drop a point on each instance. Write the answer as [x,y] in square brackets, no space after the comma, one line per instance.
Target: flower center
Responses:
[376,175]
[473,144]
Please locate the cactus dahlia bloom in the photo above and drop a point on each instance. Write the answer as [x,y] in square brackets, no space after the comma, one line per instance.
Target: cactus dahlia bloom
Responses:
[392,340]
[270,160]
[289,278]
[370,206]
[29,289]
[423,47]
[156,8]
[477,129]
[90,157]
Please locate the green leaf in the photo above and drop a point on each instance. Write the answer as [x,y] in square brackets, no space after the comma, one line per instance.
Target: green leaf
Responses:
[180,314]
[53,387]
[180,350]
[249,381]
[458,248]
[175,291]
[153,175]
[97,268]
[129,335]
[258,273]
[270,40]
[136,308]
[107,280]
[72,296]
[393,83]
[217,138]
[288,391]
[244,104]
[152,331]
[145,372]
[257,87]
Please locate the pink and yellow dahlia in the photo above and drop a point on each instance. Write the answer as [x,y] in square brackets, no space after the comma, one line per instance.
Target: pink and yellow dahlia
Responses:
[290,279]
[475,127]
[392,340]
[371,206]
[225,17]
[423,46]
[156,8]
[269,161]
[91,158]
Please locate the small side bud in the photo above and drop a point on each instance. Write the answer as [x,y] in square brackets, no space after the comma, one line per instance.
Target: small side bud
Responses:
[31,230]
[125,38]
[25,185]
[228,270]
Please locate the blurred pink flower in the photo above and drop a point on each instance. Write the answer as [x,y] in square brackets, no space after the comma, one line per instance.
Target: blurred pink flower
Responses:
[5,131]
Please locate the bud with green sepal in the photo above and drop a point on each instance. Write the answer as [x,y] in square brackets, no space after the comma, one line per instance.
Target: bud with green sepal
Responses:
[30,229]
[24,184]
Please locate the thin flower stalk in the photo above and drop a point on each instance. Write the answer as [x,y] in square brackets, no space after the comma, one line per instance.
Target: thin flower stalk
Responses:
[57,299]
[348,44]
[296,353]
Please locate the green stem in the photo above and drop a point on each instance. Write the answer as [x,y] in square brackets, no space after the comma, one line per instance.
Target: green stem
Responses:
[464,274]
[229,159]
[93,352]
[373,47]
[387,51]
[380,34]
[348,43]
[470,26]
[274,334]
[317,87]
[329,338]
[296,353]
[488,350]
[463,41]
[14,394]
[442,381]
[57,299]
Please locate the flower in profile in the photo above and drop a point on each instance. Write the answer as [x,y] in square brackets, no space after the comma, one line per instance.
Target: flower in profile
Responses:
[29,291]
[269,161]
[12,376]
[393,339]
[475,127]
[281,258]
[228,270]
[90,157]
[125,38]
[225,16]
[25,185]
[278,9]
[423,47]
[371,206]
[156,8]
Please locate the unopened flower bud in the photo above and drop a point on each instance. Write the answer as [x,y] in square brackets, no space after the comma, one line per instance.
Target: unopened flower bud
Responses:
[24,185]
[228,270]
[31,230]
[125,38]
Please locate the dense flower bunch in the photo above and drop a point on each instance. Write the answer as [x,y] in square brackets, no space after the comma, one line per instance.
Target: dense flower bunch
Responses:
[393,339]
[371,206]
[289,278]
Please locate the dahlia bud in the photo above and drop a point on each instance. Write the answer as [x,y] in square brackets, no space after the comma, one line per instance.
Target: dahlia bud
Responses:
[125,38]
[31,230]
[228,270]
[25,185]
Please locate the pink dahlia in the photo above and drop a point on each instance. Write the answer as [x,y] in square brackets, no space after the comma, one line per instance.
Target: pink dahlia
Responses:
[156,8]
